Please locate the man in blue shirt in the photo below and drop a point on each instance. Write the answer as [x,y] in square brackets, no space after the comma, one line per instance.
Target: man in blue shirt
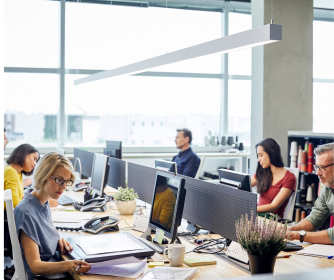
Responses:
[187,161]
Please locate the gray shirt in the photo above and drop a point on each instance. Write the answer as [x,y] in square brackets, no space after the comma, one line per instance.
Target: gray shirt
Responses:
[323,207]
[35,220]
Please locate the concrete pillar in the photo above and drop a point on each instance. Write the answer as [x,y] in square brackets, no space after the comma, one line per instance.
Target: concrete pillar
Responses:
[282,74]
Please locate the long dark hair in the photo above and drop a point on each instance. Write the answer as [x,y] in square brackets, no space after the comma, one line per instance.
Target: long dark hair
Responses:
[264,176]
[18,156]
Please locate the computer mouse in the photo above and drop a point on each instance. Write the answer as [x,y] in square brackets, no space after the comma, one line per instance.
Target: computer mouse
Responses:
[149,237]
[164,240]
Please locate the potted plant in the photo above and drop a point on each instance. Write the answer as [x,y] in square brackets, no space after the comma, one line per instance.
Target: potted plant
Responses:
[125,200]
[263,239]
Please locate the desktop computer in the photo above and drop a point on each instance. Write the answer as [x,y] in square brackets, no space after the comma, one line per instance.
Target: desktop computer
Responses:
[235,179]
[113,149]
[116,177]
[165,165]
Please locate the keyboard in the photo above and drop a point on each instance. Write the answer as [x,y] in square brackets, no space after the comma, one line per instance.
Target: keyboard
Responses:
[156,247]
[292,247]
[65,200]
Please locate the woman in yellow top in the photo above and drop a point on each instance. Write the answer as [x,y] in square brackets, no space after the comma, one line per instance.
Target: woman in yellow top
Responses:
[164,203]
[21,161]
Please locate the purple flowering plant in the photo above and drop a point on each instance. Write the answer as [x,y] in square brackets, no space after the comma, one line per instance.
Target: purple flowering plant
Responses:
[264,237]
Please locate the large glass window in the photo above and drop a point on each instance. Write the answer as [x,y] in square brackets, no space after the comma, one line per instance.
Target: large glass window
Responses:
[141,111]
[106,36]
[31,33]
[30,107]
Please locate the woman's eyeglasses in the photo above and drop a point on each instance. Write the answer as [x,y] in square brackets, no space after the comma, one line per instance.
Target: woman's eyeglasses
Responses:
[58,181]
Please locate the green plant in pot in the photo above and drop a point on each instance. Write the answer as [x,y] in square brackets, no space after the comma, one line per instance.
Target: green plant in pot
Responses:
[126,200]
[263,239]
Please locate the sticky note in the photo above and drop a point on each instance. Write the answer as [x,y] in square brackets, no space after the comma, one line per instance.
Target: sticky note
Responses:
[159,235]
[153,264]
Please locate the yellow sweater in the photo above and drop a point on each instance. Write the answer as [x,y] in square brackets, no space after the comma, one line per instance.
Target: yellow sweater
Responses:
[164,204]
[13,181]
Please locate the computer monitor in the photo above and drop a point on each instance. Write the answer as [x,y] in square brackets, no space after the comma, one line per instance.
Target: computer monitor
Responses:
[99,174]
[113,149]
[165,165]
[86,161]
[235,179]
[167,204]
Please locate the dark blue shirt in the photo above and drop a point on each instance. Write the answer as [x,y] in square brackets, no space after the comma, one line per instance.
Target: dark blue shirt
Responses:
[187,163]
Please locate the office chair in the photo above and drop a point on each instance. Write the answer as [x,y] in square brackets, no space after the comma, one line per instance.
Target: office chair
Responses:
[288,213]
[200,167]
[20,272]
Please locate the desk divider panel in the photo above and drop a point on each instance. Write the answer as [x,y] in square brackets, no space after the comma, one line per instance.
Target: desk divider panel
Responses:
[86,159]
[116,177]
[216,207]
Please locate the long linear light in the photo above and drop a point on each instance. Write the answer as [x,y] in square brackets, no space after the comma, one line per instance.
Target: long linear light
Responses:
[255,37]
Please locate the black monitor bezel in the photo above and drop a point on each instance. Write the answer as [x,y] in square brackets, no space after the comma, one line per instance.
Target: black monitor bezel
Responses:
[167,166]
[178,206]
[104,176]
[242,178]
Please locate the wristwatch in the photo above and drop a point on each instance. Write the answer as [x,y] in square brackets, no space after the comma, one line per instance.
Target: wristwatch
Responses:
[302,234]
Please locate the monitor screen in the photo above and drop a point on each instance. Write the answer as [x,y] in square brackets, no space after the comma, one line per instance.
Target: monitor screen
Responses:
[165,165]
[235,179]
[167,204]
[113,149]
[86,161]
[99,173]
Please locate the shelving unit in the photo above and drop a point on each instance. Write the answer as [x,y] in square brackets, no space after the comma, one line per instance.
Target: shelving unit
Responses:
[316,138]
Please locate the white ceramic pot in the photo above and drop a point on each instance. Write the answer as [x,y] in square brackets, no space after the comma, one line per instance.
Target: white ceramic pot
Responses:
[126,207]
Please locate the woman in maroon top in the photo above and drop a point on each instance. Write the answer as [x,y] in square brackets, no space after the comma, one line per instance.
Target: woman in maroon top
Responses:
[274,183]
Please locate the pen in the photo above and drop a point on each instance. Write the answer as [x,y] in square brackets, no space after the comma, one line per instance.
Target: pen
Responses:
[78,267]
[329,257]
[285,256]
[157,261]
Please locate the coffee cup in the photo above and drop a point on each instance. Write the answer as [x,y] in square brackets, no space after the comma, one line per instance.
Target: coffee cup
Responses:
[175,254]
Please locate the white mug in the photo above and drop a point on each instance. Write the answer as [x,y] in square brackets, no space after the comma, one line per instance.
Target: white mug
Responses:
[176,254]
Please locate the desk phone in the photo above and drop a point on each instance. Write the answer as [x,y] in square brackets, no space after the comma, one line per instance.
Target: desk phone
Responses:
[237,252]
[100,203]
[98,224]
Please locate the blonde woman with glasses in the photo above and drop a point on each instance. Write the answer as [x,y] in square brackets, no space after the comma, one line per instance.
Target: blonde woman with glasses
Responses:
[38,237]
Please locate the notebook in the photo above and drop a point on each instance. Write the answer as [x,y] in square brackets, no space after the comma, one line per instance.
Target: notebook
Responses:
[197,261]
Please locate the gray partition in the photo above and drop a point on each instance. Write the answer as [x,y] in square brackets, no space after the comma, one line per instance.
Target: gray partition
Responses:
[116,177]
[86,159]
[216,207]
[142,180]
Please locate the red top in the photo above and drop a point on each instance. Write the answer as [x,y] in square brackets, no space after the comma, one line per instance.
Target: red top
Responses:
[288,181]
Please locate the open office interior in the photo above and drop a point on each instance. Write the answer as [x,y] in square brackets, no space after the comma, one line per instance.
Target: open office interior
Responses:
[230,101]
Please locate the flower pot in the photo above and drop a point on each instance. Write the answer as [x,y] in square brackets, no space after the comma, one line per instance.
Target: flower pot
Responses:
[126,207]
[260,264]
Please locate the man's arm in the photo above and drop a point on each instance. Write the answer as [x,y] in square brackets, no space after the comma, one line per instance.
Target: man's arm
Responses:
[317,237]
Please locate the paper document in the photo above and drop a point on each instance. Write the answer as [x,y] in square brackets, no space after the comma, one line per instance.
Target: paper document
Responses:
[317,250]
[71,217]
[110,243]
[57,208]
[163,273]
[126,267]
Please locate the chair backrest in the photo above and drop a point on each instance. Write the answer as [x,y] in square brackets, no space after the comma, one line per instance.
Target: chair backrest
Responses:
[288,213]
[20,272]
[200,167]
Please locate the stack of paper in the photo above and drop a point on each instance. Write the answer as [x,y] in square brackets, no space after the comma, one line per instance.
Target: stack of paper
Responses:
[318,250]
[71,217]
[129,267]
[159,272]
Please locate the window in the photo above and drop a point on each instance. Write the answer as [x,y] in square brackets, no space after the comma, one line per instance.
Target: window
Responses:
[31,33]
[110,108]
[323,73]
[30,107]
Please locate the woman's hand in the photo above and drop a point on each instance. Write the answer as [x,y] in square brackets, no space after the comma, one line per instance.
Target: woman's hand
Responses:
[64,245]
[77,266]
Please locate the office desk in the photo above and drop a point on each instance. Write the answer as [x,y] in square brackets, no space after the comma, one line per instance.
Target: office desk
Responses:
[223,269]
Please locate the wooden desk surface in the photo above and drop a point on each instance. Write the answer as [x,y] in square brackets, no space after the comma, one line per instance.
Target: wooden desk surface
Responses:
[223,269]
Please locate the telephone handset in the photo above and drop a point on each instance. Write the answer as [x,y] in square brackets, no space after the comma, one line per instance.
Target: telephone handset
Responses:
[92,204]
[98,224]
